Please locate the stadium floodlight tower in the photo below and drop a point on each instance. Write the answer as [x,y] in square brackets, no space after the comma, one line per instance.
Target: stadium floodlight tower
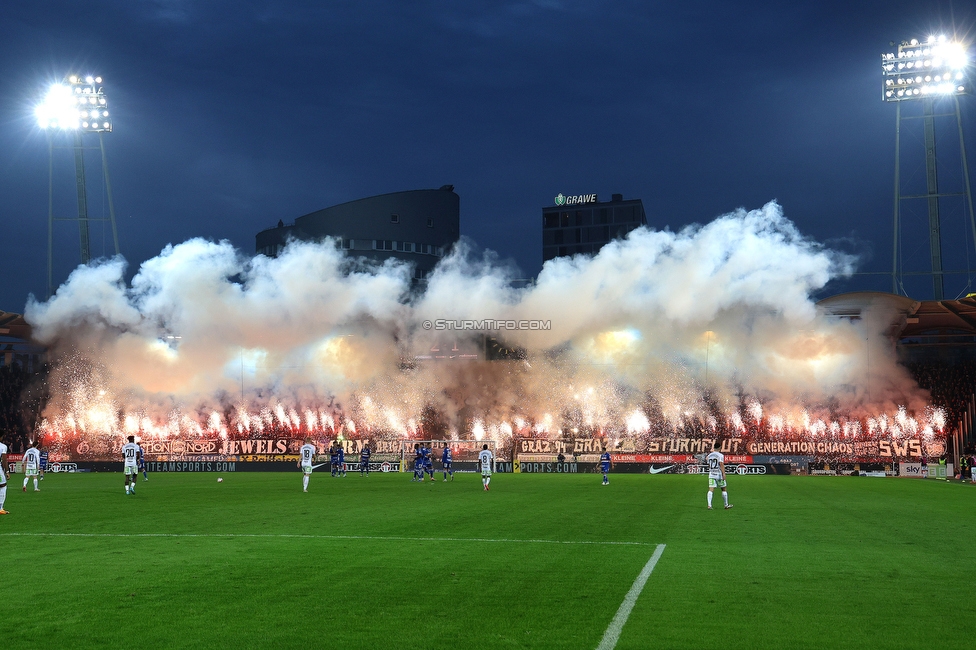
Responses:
[76,107]
[936,70]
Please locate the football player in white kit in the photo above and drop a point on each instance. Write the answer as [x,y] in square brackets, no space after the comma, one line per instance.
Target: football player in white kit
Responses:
[716,475]
[130,456]
[484,459]
[32,465]
[305,457]
[3,477]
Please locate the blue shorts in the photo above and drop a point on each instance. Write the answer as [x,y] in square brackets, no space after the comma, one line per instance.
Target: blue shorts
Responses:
[604,468]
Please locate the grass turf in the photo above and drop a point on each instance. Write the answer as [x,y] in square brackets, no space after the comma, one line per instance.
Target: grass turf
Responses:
[254,562]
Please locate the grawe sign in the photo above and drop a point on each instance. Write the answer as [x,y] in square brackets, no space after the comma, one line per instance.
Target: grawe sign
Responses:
[562,199]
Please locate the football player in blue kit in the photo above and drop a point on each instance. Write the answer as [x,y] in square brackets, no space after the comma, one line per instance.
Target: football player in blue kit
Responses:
[418,463]
[142,464]
[429,462]
[446,462]
[342,461]
[334,458]
[364,459]
[44,457]
[605,462]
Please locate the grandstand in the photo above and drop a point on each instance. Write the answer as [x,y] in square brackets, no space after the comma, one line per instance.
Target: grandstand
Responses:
[936,341]
[21,380]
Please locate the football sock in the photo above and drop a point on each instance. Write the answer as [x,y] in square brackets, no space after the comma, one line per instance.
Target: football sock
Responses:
[3,496]
[305,482]
[709,499]
[35,482]
[25,481]
[725,497]
[487,480]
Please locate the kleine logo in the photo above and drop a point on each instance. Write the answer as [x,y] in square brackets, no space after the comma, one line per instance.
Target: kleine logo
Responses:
[935,448]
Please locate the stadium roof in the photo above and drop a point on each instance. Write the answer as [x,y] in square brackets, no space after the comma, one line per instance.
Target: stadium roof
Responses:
[14,326]
[918,318]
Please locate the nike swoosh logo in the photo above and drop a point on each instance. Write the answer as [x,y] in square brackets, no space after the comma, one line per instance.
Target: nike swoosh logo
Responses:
[660,469]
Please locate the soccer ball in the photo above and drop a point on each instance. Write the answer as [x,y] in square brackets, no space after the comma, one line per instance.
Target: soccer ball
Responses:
[220,480]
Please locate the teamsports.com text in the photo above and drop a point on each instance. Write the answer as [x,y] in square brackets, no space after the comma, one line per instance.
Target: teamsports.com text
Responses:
[488,325]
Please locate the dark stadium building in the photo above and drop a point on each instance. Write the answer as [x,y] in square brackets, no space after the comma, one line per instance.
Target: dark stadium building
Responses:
[417,226]
[16,346]
[581,224]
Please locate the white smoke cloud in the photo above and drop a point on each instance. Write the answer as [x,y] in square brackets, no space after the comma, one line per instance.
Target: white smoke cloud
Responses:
[683,319]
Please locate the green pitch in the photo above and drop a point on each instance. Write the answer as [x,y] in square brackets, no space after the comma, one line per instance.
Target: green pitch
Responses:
[254,562]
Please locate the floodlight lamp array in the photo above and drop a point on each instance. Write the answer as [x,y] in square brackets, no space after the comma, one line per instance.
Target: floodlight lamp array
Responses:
[937,68]
[77,104]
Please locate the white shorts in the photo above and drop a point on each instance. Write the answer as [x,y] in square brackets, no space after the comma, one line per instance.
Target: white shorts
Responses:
[30,469]
[131,469]
[716,483]
[307,469]
[485,472]
[3,477]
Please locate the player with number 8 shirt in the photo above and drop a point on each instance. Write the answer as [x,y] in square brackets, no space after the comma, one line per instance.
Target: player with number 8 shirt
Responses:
[485,459]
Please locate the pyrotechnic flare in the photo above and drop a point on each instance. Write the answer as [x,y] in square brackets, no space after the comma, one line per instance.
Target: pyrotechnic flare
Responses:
[208,342]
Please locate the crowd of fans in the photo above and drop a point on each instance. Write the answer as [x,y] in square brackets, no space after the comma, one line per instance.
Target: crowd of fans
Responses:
[951,386]
[20,405]
[22,396]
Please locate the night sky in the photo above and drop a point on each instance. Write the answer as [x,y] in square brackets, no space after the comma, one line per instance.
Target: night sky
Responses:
[232,115]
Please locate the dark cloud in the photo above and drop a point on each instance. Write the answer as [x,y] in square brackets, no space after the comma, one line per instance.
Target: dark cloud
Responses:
[232,115]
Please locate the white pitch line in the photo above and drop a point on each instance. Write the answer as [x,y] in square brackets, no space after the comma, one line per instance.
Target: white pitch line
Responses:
[332,537]
[610,637]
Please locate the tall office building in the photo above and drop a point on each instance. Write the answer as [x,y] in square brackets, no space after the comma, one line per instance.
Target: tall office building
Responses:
[579,224]
[417,226]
